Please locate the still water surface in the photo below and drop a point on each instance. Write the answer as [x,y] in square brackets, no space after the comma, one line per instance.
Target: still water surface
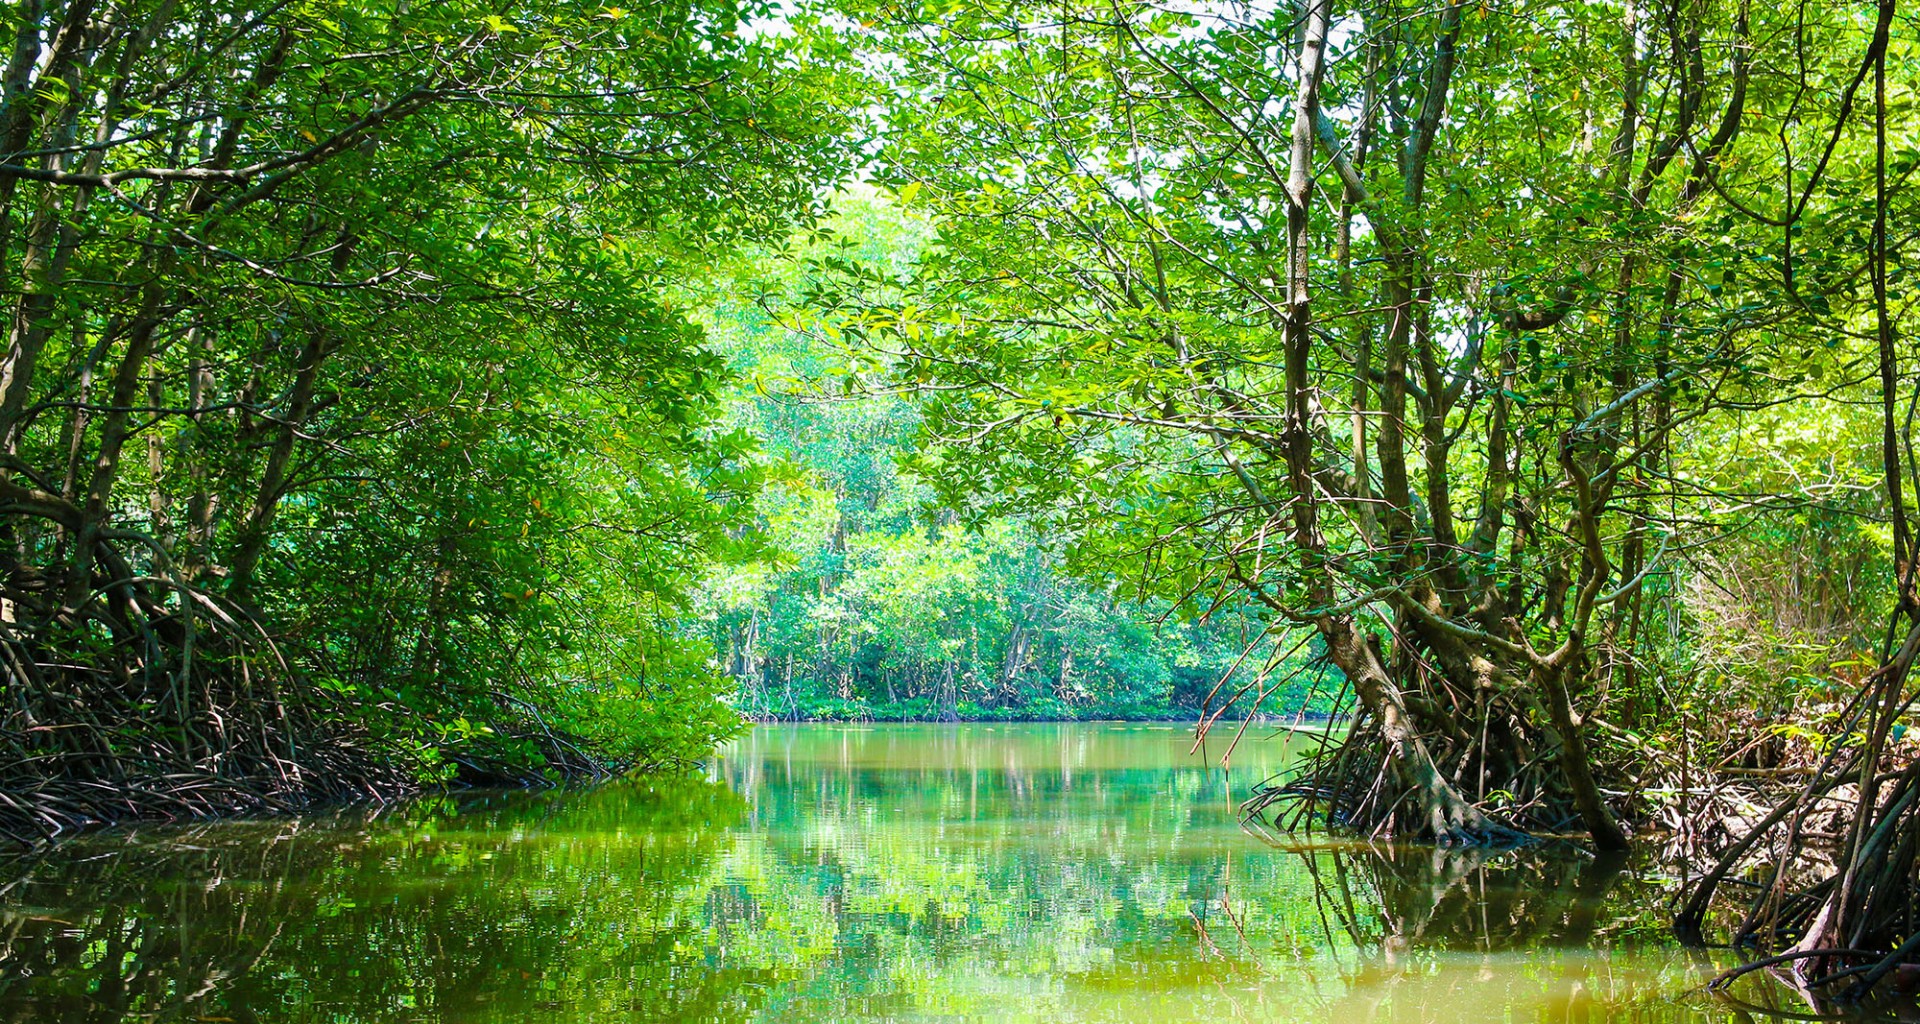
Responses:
[837,873]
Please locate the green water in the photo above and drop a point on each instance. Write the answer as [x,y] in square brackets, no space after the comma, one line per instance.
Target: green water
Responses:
[845,873]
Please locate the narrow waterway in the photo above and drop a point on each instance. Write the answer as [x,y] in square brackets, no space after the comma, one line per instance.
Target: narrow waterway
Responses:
[1089,872]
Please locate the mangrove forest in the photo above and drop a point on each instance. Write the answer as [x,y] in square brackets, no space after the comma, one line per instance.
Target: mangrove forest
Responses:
[1112,510]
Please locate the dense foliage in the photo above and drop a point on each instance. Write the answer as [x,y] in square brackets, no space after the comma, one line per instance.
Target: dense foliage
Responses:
[349,434]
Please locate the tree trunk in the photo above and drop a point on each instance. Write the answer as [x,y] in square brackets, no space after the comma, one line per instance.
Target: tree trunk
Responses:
[274,479]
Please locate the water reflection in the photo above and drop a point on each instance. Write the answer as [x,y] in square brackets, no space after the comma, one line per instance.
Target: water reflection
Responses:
[1091,873]
[494,908]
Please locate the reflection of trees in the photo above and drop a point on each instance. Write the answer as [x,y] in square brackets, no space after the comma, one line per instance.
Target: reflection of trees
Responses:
[908,868]
[1063,882]
[1396,898]
[1440,935]
[522,906]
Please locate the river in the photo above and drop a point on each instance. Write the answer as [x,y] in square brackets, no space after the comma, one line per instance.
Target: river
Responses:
[1085,872]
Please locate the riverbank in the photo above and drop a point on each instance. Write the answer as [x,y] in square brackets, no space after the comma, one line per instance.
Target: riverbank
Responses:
[54,798]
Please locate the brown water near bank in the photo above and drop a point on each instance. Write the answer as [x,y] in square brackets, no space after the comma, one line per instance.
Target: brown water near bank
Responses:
[1080,872]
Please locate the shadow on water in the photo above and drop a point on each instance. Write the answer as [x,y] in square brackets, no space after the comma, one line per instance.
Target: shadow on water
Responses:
[1077,873]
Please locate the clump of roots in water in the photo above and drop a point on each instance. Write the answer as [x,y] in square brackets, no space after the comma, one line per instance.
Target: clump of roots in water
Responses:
[1457,771]
[139,696]
[1822,890]
[130,707]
